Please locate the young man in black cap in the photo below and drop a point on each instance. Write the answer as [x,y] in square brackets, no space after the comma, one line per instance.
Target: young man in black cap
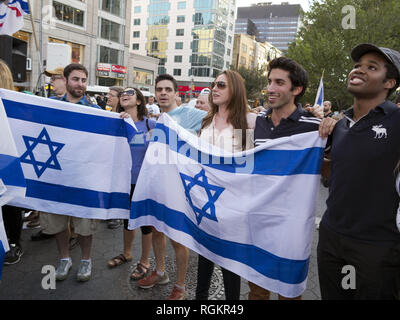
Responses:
[359,242]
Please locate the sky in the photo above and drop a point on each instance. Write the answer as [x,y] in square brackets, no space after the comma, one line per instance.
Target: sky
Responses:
[247,3]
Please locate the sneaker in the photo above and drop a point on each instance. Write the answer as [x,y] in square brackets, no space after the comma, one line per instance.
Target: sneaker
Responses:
[14,255]
[63,269]
[152,280]
[85,270]
[177,294]
[39,236]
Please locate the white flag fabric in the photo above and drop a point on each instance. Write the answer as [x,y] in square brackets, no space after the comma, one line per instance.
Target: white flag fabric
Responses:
[12,180]
[252,213]
[319,99]
[12,16]
[75,159]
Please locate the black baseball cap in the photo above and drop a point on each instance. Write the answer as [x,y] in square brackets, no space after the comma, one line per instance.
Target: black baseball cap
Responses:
[391,55]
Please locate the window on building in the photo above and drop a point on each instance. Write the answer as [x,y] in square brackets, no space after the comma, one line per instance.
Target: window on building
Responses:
[177,72]
[244,48]
[68,14]
[135,46]
[228,52]
[111,31]
[180,19]
[136,34]
[178,59]
[109,55]
[136,22]
[116,7]
[137,9]
[143,76]
[182,5]
[178,45]
[180,32]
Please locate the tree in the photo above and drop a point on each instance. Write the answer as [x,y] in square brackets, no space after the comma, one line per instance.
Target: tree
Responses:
[324,42]
[255,81]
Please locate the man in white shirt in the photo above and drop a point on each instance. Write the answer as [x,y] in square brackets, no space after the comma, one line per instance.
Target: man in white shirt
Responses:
[152,108]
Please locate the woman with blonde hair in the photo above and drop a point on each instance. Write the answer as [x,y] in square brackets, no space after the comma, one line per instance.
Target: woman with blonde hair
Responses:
[6,78]
[230,126]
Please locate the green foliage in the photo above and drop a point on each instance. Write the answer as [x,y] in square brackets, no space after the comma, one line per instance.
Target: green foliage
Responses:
[255,81]
[323,44]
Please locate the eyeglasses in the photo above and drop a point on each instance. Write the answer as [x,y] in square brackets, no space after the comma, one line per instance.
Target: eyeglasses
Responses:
[219,84]
[128,92]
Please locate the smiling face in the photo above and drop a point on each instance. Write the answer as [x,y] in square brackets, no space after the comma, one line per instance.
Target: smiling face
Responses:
[112,98]
[221,95]
[367,80]
[128,99]
[279,89]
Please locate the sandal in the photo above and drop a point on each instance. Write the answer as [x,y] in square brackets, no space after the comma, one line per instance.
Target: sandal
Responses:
[139,272]
[118,260]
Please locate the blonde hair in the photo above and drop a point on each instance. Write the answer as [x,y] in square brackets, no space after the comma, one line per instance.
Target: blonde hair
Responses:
[6,78]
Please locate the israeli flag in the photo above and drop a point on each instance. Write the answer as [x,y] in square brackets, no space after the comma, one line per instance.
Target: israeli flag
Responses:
[319,100]
[75,159]
[250,212]
[12,180]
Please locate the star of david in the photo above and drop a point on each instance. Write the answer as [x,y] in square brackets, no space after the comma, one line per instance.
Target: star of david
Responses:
[54,148]
[213,192]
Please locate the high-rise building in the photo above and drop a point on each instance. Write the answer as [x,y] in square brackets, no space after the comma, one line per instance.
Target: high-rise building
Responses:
[192,38]
[251,54]
[95,34]
[277,24]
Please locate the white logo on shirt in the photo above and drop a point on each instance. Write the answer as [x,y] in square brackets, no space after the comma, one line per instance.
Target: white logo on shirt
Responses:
[379,132]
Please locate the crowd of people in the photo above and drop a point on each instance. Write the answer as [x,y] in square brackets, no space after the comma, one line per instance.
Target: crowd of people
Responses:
[361,225]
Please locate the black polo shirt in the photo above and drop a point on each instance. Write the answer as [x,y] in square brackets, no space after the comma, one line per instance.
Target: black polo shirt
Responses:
[363,201]
[300,121]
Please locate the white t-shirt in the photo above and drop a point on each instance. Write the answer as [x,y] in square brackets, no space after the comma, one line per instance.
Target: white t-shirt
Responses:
[153,109]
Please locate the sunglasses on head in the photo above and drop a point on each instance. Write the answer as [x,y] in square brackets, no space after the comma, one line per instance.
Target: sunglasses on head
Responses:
[128,92]
[219,84]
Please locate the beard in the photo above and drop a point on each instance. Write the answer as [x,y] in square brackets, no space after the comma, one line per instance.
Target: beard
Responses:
[76,92]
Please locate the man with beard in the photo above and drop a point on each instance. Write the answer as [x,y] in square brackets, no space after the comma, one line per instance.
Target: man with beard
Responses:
[359,241]
[75,77]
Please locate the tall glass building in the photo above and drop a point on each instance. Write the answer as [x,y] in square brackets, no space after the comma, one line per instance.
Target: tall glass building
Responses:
[277,24]
[193,39]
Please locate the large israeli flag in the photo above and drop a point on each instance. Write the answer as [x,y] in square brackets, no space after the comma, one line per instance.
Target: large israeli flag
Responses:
[252,213]
[75,159]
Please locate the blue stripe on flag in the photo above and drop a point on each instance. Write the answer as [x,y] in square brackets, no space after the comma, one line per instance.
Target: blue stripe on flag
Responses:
[77,196]
[2,255]
[266,162]
[65,119]
[11,171]
[24,5]
[274,267]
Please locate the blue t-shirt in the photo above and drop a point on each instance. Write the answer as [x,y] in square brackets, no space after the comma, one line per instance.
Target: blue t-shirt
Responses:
[188,118]
[139,144]
[84,101]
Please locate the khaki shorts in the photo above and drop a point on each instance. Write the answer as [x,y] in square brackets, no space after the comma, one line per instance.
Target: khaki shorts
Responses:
[56,223]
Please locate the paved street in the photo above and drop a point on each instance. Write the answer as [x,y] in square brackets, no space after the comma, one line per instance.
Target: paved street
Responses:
[23,280]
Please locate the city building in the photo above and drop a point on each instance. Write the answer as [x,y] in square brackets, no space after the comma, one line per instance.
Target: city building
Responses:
[251,54]
[277,24]
[193,40]
[93,33]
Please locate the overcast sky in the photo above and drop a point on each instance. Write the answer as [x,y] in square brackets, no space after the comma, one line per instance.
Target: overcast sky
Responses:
[247,3]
